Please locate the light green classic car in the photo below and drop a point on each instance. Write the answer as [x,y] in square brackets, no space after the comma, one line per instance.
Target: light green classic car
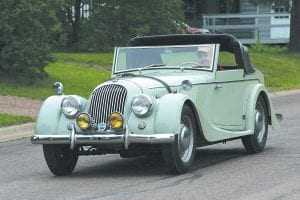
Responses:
[168,94]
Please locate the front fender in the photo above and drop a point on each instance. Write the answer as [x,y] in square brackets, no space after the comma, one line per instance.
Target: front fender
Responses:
[253,96]
[165,116]
[51,120]
[168,115]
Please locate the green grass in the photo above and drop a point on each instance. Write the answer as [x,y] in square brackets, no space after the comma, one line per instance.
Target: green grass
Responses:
[8,120]
[101,61]
[79,72]
[280,68]
[82,72]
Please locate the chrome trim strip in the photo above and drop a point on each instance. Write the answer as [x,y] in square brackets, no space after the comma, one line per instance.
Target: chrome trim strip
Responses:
[214,82]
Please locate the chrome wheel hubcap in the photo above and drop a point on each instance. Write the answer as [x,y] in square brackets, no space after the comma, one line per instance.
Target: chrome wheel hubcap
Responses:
[259,123]
[185,140]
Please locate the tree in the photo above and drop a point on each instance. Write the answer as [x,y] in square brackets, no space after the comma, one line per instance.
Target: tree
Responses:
[152,17]
[294,44]
[27,29]
[70,16]
[113,22]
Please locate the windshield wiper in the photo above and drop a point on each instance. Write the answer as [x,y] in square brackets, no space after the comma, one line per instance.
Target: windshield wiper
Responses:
[192,65]
[140,69]
[151,66]
[127,74]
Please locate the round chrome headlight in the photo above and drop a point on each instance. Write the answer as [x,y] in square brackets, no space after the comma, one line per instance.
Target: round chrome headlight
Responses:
[141,105]
[70,106]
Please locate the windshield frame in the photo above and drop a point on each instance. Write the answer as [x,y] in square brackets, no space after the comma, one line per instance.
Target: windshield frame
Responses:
[116,54]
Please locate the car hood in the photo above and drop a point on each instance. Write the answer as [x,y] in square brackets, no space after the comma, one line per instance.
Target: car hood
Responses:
[147,83]
[154,86]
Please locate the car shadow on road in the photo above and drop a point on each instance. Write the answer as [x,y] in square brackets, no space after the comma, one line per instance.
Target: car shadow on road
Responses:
[210,156]
[117,166]
[151,165]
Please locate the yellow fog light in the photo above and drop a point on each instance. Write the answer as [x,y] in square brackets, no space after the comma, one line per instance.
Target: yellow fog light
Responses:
[83,120]
[116,120]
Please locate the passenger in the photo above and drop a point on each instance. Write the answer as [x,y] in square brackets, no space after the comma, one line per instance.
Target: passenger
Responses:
[204,56]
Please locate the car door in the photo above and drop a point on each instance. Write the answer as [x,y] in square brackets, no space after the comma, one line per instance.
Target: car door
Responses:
[228,99]
[228,93]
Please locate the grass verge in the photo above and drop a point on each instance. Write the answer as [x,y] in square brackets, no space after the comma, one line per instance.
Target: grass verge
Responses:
[8,120]
[79,72]
[281,69]
[82,72]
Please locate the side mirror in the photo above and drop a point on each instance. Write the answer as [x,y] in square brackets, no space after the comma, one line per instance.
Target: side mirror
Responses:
[58,88]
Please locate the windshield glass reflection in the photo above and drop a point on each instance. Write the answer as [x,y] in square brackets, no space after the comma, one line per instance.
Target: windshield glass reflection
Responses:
[193,56]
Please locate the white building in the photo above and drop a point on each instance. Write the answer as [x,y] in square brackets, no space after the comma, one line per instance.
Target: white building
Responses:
[248,21]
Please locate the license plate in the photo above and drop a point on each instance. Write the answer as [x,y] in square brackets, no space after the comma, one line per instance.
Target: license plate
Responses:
[102,127]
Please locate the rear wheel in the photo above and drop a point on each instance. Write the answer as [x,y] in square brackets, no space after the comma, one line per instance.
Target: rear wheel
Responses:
[60,159]
[179,156]
[256,142]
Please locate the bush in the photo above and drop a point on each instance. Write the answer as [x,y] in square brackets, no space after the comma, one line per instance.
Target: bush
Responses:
[27,27]
[93,38]
[259,47]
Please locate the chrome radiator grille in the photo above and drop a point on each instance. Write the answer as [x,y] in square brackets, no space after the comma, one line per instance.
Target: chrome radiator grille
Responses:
[105,100]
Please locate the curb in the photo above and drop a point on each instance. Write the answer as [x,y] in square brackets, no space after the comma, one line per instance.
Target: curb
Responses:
[26,130]
[284,93]
[16,132]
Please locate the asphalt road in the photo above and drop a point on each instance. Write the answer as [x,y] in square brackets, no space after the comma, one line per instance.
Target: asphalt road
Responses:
[220,171]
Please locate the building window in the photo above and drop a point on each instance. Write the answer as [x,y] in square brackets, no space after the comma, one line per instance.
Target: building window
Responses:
[193,9]
[188,10]
[228,6]
[281,7]
[85,10]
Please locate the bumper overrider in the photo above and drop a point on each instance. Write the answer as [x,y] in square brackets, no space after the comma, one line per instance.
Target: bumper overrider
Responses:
[105,137]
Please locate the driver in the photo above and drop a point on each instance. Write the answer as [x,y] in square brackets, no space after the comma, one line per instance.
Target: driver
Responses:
[204,56]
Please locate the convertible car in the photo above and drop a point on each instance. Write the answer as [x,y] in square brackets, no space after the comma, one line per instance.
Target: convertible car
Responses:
[168,94]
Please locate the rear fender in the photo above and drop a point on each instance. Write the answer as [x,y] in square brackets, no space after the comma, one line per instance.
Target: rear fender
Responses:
[253,96]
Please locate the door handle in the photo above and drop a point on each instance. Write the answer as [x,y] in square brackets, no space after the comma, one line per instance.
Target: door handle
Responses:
[218,86]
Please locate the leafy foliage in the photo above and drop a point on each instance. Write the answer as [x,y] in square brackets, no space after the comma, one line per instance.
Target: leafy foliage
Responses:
[110,23]
[26,29]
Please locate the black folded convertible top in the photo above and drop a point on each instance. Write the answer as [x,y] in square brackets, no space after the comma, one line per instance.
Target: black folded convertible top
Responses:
[227,42]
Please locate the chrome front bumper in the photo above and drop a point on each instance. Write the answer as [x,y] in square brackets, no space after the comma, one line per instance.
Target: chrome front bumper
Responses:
[100,138]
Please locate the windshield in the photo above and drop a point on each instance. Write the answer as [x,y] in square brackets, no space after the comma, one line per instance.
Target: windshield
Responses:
[187,56]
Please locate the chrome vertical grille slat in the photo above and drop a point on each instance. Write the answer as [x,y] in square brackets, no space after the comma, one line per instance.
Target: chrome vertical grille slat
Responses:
[105,100]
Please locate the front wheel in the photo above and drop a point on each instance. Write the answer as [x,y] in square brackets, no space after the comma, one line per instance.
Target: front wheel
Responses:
[256,142]
[60,159]
[179,156]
